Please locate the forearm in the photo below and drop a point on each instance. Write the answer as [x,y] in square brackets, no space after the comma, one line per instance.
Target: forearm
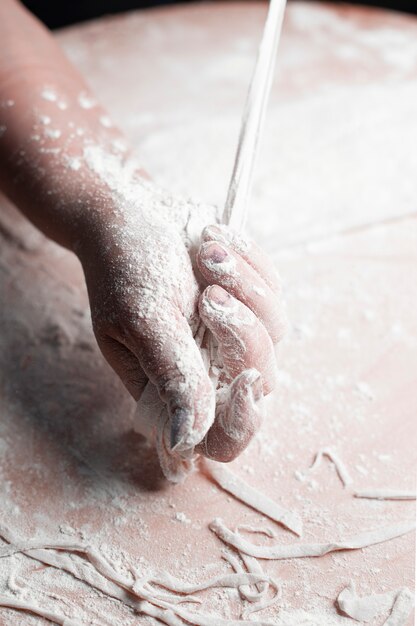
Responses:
[48,122]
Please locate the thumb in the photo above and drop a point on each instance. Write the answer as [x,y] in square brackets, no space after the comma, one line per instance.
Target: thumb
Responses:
[170,357]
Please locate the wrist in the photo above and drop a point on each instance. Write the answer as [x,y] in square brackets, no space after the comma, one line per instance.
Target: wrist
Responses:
[104,215]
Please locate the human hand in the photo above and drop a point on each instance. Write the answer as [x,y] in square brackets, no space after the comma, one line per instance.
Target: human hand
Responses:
[67,167]
[146,304]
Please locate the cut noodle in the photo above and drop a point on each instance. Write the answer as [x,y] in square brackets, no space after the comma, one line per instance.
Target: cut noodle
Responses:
[29,607]
[385,494]
[341,468]
[294,551]
[254,498]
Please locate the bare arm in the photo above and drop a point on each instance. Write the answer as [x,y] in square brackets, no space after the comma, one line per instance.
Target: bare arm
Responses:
[47,117]
[67,168]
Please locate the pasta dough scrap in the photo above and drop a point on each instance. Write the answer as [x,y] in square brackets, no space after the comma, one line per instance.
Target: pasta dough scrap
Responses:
[30,607]
[366,608]
[341,468]
[385,494]
[254,498]
[402,608]
[294,551]
[104,578]
[363,608]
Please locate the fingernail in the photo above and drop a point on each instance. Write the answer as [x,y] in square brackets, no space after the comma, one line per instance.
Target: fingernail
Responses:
[216,232]
[211,232]
[256,387]
[219,296]
[214,253]
[180,424]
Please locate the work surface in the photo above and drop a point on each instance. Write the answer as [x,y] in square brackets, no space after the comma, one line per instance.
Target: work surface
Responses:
[334,204]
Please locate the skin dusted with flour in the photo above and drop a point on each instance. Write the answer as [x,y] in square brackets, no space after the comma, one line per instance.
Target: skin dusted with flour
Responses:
[71,172]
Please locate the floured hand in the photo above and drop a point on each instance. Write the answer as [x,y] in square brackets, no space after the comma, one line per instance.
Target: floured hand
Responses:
[147,281]
[68,169]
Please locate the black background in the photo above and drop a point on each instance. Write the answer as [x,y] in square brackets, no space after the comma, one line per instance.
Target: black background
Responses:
[56,13]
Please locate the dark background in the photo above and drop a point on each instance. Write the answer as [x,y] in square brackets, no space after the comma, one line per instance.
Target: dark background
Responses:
[56,13]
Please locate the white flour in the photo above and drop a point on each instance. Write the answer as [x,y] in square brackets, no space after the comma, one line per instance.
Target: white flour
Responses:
[334,160]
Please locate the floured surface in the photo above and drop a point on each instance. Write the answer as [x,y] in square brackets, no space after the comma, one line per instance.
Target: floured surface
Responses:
[72,468]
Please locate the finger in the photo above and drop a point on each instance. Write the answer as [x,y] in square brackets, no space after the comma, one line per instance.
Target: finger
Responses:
[238,418]
[220,265]
[244,342]
[169,356]
[125,364]
[248,250]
